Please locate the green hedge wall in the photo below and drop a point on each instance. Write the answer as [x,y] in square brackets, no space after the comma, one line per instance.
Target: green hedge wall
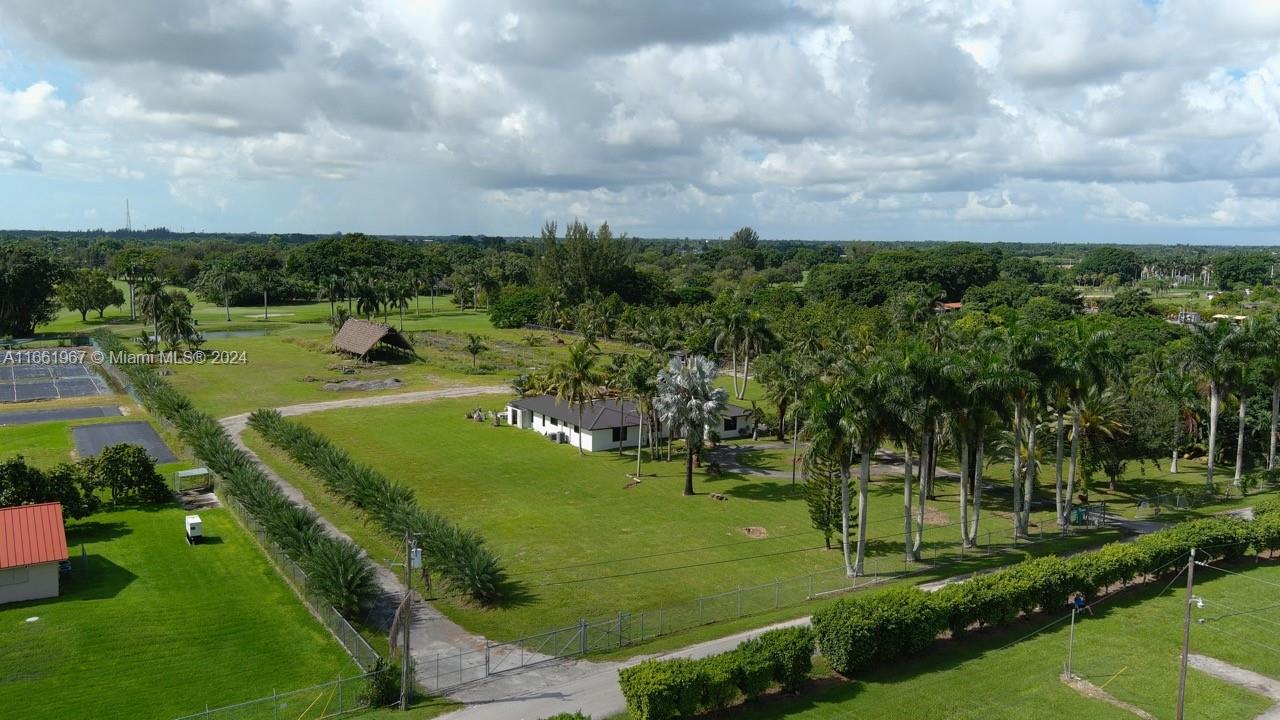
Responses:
[458,555]
[877,627]
[665,689]
[338,571]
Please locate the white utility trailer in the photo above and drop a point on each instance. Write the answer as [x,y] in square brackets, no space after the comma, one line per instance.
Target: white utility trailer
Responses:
[194,531]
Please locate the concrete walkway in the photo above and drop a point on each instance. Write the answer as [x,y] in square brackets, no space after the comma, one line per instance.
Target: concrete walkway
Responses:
[431,634]
[1247,679]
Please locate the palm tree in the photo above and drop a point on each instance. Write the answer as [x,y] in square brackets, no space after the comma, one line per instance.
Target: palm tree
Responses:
[1211,354]
[1168,377]
[639,382]
[728,323]
[475,346]
[1269,373]
[1250,340]
[227,279]
[1032,358]
[756,338]
[690,404]
[575,381]
[152,298]
[1089,361]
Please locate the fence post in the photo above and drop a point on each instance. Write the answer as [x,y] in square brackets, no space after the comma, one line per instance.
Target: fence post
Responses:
[339,693]
[620,643]
[437,670]
[699,611]
[582,631]
[810,595]
[739,599]
[486,658]
[776,590]
[275,705]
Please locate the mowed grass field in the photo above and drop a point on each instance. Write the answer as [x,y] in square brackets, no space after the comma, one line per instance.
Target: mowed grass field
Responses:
[46,444]
[1131,645]
[578,540]
[156,628]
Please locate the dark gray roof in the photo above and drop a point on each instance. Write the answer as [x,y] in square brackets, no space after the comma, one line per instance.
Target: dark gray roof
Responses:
[597,414]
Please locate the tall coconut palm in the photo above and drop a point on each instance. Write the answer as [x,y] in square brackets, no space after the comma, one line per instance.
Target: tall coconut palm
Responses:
[690,404]
[639,382]
[1089,361]
[152,300]
[831,437]
[1212,354]
[227,279]
[1030,355]
[575,380]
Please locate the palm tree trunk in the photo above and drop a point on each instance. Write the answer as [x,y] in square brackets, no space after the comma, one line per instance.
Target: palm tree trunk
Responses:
[688,467]
[864,483]
[746,368]
[433,298]
[930,490]
[1275,411]
[1235,480]
[844,516]
[1214,401]
[1075,458]
[1058,505]
[1031,470]
[977,488]
[226,299]
[964,493]
[1017,466]
[782,420]
[926,452]
[795,447]
[906,504]
[733,357]
[1177,440]
[265,311]
[639,444]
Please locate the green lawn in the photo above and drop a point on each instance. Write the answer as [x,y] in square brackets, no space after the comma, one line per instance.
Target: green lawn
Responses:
[1131,646]
[46,444]
[154,623]
[579,541]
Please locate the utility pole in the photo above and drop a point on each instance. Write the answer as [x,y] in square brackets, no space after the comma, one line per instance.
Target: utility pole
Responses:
[1186,633]
[1071,640]
[406,619]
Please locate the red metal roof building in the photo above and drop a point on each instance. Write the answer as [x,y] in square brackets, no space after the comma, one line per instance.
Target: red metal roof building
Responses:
[32,543]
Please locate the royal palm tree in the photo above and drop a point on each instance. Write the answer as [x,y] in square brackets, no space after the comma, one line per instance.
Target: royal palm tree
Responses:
[1251,337]
[1089,361]
[757,338]
[575,381]
[1212,354]
[728,323]
[1269,373]
[690,404]
[1032,358]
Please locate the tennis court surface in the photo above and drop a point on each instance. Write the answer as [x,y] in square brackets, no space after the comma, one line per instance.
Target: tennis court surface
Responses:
[90,439]
[34,376]
[28,417]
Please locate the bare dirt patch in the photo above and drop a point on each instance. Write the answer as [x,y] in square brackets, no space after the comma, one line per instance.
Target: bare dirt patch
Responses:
[933,516]
[1088,689]
[758,533]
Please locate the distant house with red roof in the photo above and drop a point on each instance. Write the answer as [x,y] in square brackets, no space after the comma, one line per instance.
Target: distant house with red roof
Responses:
[32,543]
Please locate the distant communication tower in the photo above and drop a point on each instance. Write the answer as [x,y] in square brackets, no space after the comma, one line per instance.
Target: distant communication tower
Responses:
[128,218]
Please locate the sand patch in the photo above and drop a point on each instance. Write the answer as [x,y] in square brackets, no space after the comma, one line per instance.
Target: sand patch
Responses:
[758,533]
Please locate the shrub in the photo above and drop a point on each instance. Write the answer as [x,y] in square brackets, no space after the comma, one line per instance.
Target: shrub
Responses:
[1267,506]
[1266,532]
[338,572]
[787,653]
[517,307]
[128,471]
[877,627]
[662,689]
[719,675]
[568,716]
[382,686]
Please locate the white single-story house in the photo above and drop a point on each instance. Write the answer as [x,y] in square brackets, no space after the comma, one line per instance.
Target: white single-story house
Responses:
[603,424]
[32,544]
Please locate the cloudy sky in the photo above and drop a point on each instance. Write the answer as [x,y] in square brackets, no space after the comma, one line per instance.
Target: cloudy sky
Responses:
[1091,120]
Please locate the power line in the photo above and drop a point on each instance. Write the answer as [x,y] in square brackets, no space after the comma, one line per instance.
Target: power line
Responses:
[1247,577]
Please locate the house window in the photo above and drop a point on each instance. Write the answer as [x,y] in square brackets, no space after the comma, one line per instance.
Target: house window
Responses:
[575,429]
[730,424]
[553,421]
[620,434]
[515,416]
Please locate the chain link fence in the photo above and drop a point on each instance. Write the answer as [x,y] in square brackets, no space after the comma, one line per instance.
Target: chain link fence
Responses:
[444,671]
[359,649]
[333,699]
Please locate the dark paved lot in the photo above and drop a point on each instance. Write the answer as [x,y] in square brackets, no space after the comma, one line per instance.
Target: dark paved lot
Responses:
[54,414]
[90,439]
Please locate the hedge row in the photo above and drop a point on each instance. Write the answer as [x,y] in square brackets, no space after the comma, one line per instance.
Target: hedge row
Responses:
[664,689]
[874,628]
[459,556]
[1267,506]
[336,569]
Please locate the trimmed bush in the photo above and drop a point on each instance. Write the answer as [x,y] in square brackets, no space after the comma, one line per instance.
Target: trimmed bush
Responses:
[1266,533]
[877,627]
[787,653]
[662,689]
[1267,506]
[458,555]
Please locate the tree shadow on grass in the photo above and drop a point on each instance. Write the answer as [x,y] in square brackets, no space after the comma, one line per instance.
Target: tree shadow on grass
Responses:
[765,491]
[95,531]
[101,579]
